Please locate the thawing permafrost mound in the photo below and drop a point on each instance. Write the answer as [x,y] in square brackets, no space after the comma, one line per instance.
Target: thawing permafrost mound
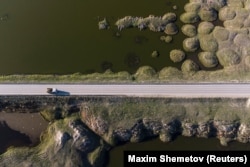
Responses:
[230,42]
[217,34]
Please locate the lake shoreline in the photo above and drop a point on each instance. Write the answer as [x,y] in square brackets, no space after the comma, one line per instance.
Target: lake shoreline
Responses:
[95,124]
[145,74]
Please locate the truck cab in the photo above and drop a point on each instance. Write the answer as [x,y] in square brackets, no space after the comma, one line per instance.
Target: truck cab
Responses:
[52,90]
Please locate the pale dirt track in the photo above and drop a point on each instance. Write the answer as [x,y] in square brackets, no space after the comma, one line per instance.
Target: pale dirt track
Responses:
[156,90]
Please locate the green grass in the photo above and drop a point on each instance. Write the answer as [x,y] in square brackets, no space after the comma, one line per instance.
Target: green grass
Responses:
[238,73]
[47,153]
[125,112]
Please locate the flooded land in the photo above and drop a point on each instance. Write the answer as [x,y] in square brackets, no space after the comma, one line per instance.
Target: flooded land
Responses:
[62,37]
[20,129]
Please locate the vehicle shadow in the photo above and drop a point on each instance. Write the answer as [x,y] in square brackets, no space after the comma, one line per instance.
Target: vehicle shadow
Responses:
[62,93]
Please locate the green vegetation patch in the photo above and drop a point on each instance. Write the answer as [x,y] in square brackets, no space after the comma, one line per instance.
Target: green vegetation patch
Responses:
[123,113]
[61,145]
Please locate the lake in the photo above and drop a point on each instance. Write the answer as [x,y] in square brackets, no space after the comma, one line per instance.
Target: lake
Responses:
[62,37]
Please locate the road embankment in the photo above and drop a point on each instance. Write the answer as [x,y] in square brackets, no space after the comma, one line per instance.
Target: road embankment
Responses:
[91,125]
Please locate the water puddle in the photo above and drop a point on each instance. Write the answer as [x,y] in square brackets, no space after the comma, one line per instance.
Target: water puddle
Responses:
[20,129]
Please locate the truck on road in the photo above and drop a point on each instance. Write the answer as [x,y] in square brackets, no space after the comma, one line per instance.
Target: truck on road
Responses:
[52,90]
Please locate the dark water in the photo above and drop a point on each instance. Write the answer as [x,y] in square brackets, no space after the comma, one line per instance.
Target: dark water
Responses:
[10,137]
[180,144]
[20,129]
[62,36]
